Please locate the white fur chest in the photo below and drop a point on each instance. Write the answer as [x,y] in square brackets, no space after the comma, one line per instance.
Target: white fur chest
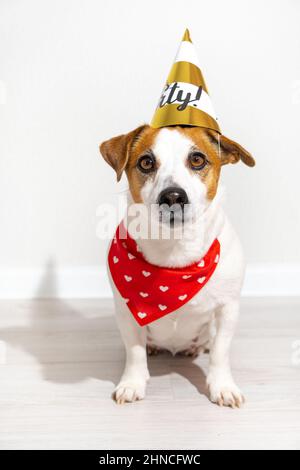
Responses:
[184,328]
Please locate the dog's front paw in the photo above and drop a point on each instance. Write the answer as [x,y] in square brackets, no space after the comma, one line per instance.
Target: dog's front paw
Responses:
[129,391]
[225,393]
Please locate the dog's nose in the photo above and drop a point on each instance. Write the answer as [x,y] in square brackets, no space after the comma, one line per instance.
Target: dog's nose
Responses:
[173,195]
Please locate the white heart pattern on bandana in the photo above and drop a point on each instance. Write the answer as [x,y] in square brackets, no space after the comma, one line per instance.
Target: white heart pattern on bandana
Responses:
[162,307]
[182,297]
[142,315]
[144,294]
[163,288]
[149,291]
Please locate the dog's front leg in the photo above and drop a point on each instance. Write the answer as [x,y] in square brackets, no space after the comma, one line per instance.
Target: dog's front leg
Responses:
[222,387]
[132,385]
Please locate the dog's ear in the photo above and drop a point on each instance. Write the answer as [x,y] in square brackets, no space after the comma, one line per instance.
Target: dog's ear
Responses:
[115,151]
[230,151]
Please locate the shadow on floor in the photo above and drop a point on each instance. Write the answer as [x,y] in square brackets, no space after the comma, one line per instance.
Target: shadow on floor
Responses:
[71,344]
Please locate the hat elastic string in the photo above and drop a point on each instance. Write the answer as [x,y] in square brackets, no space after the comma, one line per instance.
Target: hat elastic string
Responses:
[219,146]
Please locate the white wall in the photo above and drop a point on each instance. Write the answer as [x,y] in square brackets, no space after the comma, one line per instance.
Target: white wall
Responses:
[73,73]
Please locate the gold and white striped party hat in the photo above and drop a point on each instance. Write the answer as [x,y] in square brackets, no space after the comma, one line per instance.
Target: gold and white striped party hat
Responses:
[185,100]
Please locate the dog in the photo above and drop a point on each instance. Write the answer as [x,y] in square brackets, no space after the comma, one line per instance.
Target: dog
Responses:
[181,165]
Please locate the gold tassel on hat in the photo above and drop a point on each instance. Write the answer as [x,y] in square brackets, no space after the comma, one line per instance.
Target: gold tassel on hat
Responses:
[185,100]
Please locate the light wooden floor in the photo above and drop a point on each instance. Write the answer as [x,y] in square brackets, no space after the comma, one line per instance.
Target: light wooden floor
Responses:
[63,359]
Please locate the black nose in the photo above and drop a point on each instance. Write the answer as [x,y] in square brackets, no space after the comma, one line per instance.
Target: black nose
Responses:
[173,195]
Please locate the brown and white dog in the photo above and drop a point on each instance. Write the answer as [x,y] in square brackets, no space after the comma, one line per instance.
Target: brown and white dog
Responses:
[183,164]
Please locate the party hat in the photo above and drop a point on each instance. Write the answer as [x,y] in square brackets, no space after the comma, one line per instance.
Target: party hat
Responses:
[185,100]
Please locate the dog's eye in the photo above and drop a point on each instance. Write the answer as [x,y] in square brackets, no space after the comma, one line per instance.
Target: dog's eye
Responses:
[146,163]
[197,160]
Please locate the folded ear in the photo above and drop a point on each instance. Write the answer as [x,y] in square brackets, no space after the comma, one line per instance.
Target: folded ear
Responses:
[115,151]
[230,151]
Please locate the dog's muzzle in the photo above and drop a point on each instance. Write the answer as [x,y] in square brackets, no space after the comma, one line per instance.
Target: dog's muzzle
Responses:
[172,202]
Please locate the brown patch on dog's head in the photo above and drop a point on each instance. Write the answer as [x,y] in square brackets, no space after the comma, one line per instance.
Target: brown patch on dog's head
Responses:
[123,152]
[218,150]
[211,172]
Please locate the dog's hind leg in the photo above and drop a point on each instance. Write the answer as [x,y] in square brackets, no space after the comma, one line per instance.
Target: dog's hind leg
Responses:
[132,385]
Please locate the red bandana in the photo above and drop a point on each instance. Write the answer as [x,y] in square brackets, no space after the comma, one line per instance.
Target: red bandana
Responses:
[150,291]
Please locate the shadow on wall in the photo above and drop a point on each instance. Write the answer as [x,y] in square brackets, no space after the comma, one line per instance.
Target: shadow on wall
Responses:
[72,344]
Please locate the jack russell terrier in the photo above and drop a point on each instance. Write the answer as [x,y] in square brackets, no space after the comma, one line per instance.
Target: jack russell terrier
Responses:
[176,169]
